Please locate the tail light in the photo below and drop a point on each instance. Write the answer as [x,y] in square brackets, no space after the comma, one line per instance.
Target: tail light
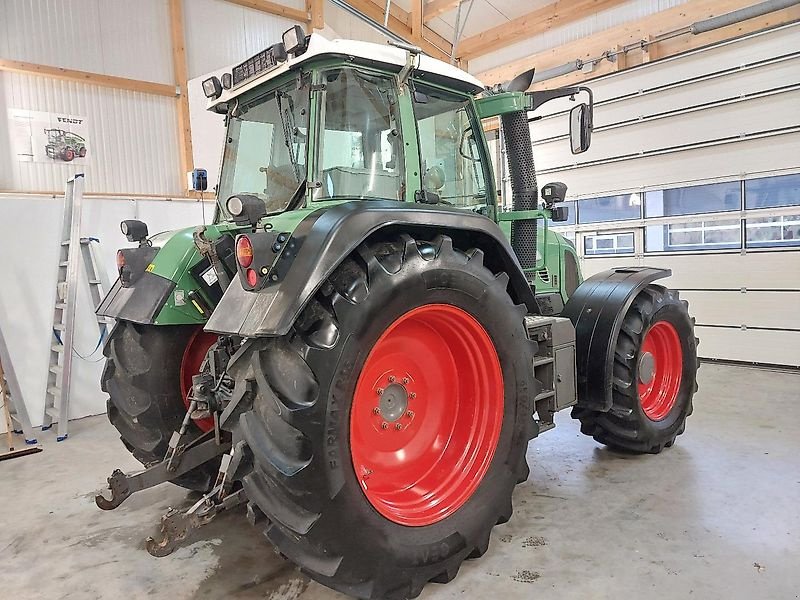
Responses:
[244,254]
[252,277]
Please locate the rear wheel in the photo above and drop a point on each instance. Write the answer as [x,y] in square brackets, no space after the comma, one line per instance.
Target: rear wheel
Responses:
[390,426]
[145,376]
[654,376]
[69,154]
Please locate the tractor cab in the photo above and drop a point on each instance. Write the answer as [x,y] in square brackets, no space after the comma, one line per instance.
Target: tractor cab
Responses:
[320,122]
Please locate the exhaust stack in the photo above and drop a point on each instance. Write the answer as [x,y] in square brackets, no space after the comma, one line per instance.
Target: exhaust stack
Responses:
[519,153]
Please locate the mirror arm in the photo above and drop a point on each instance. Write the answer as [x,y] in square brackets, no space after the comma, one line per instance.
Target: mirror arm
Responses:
[537,99]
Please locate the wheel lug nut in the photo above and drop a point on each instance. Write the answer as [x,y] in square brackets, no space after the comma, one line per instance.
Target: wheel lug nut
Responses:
[412,395]
[380,391]
[410,414]
[384,425]
[398,426]
[376,410]
[391,378]
[406,380]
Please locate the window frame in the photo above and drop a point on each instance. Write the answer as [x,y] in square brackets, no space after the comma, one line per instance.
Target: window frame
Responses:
[476,126]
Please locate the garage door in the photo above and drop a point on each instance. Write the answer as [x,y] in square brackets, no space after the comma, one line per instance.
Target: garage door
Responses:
[695,166]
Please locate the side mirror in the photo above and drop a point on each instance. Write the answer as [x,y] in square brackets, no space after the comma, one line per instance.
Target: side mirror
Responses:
[580,128]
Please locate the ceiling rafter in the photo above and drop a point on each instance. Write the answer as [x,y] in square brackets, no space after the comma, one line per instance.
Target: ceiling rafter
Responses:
[531,24]
[400,24]
[435,8]
[630,33]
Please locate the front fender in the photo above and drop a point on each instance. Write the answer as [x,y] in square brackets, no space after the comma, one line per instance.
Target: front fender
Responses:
[327,236]
[597,309]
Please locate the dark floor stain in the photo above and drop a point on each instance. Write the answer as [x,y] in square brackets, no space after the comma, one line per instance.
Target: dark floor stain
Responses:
[526,576]
[534,541]
[506,538]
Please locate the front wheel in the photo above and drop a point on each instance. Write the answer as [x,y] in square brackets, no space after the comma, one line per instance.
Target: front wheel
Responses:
[654,376]
[389,428]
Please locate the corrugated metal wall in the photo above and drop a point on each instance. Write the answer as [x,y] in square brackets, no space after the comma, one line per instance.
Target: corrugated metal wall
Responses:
[113,37]
[219,34]
[133,143]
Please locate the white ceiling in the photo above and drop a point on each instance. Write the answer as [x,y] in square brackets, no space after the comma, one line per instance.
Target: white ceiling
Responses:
[484,14]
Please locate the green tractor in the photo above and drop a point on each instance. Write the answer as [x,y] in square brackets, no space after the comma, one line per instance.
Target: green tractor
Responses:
[363,343]
[64,145]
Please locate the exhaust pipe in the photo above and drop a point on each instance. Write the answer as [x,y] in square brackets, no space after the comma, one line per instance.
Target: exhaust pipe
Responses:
[519,152]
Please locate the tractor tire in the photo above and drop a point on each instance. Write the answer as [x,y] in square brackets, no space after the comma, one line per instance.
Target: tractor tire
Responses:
[654,376]
[389,427]
[82,152]
[69,154]
[144,376]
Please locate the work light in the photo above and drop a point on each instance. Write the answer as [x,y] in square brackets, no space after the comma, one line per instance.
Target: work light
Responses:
[294,40]
[212,88]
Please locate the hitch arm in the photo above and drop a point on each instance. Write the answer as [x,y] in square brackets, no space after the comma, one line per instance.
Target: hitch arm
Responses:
[122,485]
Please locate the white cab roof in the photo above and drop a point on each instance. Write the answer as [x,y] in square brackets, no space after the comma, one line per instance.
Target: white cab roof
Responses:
[382,53]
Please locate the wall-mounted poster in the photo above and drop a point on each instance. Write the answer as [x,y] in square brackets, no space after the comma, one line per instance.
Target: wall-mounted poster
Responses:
[45,137]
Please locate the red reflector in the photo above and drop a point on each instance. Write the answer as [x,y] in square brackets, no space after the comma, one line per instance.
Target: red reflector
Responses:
[252,277]
[244,252]
[120,260]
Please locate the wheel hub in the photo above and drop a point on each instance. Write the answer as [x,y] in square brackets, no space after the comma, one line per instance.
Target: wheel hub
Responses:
[647,367]
[393,402]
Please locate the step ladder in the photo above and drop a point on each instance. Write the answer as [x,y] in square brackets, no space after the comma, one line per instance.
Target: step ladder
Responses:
[16,414]
[56,408]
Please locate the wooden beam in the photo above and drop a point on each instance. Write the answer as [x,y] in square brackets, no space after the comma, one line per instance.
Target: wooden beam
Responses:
[181,78]
[531,24]
[399,23]
[273,8]
[415,18]
[435,8]
[110,81]
[631,33]
[316,10]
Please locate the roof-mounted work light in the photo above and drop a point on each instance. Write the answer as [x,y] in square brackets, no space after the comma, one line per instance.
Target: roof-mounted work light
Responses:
[294,40]
[212,87]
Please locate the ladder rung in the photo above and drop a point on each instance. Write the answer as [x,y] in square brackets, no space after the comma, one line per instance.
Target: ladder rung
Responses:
[58,327]
[56,369]
[63,263]
[56,348]
[61,305]
[54,391]
[65,243]
[94,281]
[52,411]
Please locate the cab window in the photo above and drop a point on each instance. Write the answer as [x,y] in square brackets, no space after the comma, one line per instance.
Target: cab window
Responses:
[360,154]
[451,161]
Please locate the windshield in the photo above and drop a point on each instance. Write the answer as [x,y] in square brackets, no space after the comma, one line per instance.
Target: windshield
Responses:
[452,164]
[265,150]
[360,154]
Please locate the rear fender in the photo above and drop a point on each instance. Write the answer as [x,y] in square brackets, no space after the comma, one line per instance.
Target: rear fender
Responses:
[596,309]
[326,237]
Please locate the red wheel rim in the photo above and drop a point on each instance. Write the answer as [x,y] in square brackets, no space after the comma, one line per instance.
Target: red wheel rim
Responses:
[193,357]
[426,415]
[660,370]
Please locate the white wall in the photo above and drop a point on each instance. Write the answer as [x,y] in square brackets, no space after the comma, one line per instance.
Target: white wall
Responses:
[30,228]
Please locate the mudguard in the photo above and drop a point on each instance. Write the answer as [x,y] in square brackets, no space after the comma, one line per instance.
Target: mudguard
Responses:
[325,237]
[596,309]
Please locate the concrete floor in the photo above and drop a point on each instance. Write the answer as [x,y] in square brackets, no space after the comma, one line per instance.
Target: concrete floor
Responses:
[717,516]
